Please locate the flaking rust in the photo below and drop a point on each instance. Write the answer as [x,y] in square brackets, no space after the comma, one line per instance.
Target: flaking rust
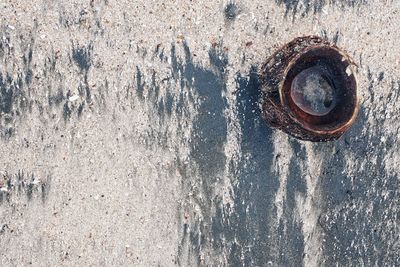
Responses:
[309,90]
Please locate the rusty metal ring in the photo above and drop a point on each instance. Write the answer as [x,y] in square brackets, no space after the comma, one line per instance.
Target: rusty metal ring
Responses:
[309,90]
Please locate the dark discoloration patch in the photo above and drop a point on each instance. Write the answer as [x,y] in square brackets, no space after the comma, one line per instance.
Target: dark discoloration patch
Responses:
[304,7]
[15,87]
[381,76]
[45,188]
[168,103]
[27,46]
[231,11]
[290,238]
[80,109]
[4,228]
[245,231]
[57,98]
[246,225]
[210,126]
[254,176]
[82,57]
[23,183]
[369,196]
[67,111]
[139,83]
[13,102]
[6,95]
[13,98]
[207,139]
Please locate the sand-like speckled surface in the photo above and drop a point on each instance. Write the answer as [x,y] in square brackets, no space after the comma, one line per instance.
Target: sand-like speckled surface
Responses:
[130,135]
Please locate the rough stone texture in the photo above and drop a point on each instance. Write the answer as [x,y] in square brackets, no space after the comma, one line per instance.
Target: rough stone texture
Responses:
[131,136]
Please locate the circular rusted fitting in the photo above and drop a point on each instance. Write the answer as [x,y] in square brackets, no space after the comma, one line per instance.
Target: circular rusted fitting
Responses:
[309,90]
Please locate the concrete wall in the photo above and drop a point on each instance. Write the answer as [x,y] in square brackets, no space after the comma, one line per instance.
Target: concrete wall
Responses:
[131,136]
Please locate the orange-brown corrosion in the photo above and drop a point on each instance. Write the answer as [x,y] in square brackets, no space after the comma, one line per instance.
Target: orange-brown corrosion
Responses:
[309,90]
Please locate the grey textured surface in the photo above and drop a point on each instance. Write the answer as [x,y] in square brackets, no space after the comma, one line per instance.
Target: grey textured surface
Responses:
[131,136]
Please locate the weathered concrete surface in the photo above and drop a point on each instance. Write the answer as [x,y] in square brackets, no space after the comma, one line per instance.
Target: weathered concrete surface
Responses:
[131,135]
